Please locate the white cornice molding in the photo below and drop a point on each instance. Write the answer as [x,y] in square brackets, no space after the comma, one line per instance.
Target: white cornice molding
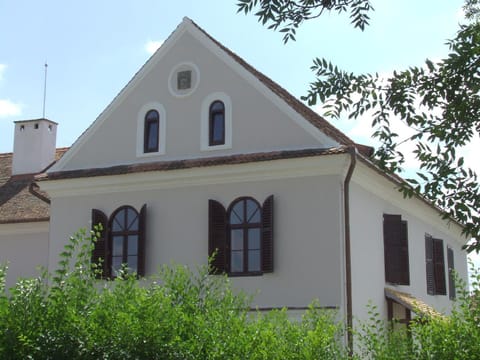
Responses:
[221,174]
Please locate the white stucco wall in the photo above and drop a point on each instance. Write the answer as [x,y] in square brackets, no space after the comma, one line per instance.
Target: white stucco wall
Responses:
[372,198]
[24,247]
[257,123]
[308,230]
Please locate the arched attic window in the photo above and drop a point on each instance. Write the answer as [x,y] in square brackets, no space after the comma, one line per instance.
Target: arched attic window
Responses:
[151,131]
[217,123]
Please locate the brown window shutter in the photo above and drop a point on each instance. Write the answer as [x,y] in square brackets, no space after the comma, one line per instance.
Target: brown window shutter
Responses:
[142,234]
[100,250]
[267,235]
[429,265]
[403,254]
[439,266]
[395,241]
[451,274]
[217,236]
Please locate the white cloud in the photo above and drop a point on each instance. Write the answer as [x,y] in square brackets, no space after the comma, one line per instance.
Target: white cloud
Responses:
[152,46]
[9,108]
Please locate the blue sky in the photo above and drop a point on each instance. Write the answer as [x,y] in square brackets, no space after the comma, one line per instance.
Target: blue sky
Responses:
[94,47]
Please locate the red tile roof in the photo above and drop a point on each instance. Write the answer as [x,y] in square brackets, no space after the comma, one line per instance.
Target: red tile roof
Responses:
[17,203]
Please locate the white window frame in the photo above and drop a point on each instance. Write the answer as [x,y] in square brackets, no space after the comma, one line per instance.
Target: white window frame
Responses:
[205,122]
[162,126]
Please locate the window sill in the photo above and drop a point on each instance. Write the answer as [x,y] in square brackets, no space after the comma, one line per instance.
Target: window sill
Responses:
[150,154]
[258,273]
[216,147]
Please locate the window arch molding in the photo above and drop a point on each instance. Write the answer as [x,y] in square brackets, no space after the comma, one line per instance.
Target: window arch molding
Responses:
[162,125]
[205,121]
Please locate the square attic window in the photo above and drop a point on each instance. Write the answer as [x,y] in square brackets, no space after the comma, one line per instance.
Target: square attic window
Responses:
[184,80]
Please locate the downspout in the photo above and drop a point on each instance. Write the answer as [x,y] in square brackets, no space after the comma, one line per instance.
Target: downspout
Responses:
[348,264]
[33,189]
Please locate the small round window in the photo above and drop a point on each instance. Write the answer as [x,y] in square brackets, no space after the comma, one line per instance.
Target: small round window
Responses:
[184,79]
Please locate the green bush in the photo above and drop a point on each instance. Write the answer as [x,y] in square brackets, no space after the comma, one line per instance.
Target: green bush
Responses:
[180,313]
[456,336]
[185,313]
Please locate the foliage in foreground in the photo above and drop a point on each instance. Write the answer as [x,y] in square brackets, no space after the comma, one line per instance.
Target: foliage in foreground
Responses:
[456,336]
[179,314]
[188,314]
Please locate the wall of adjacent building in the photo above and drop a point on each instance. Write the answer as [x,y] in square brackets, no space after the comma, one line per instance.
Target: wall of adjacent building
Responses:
[24,247]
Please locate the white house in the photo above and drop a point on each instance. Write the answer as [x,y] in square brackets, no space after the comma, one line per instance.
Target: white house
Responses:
[201,152]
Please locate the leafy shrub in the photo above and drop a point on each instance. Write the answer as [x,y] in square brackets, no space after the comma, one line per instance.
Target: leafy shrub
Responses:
[180,313]
[185,313]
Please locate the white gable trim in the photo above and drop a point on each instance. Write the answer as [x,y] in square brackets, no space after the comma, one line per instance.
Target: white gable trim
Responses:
[188,25]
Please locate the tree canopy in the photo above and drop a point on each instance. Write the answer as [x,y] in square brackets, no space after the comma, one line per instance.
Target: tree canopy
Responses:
[439,101]
[287,15]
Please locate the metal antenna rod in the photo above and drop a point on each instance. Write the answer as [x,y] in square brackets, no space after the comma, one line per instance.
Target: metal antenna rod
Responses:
[45,89]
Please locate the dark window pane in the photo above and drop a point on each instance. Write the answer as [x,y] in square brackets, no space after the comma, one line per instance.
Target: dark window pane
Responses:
[236,214]
[253,212]
[152,137]
[217,106]
[132,219]
[117,246]
[132,245]
[237,239]
[116,264]
[152,115]
[119,221]
[132,263]
[254,260]
[237,261]
[151,126]
[254,239]
[218,124]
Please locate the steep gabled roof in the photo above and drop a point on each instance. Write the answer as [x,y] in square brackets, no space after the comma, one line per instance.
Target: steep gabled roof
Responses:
[17,202]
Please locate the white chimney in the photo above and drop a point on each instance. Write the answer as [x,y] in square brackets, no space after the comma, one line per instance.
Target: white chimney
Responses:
[34,145]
